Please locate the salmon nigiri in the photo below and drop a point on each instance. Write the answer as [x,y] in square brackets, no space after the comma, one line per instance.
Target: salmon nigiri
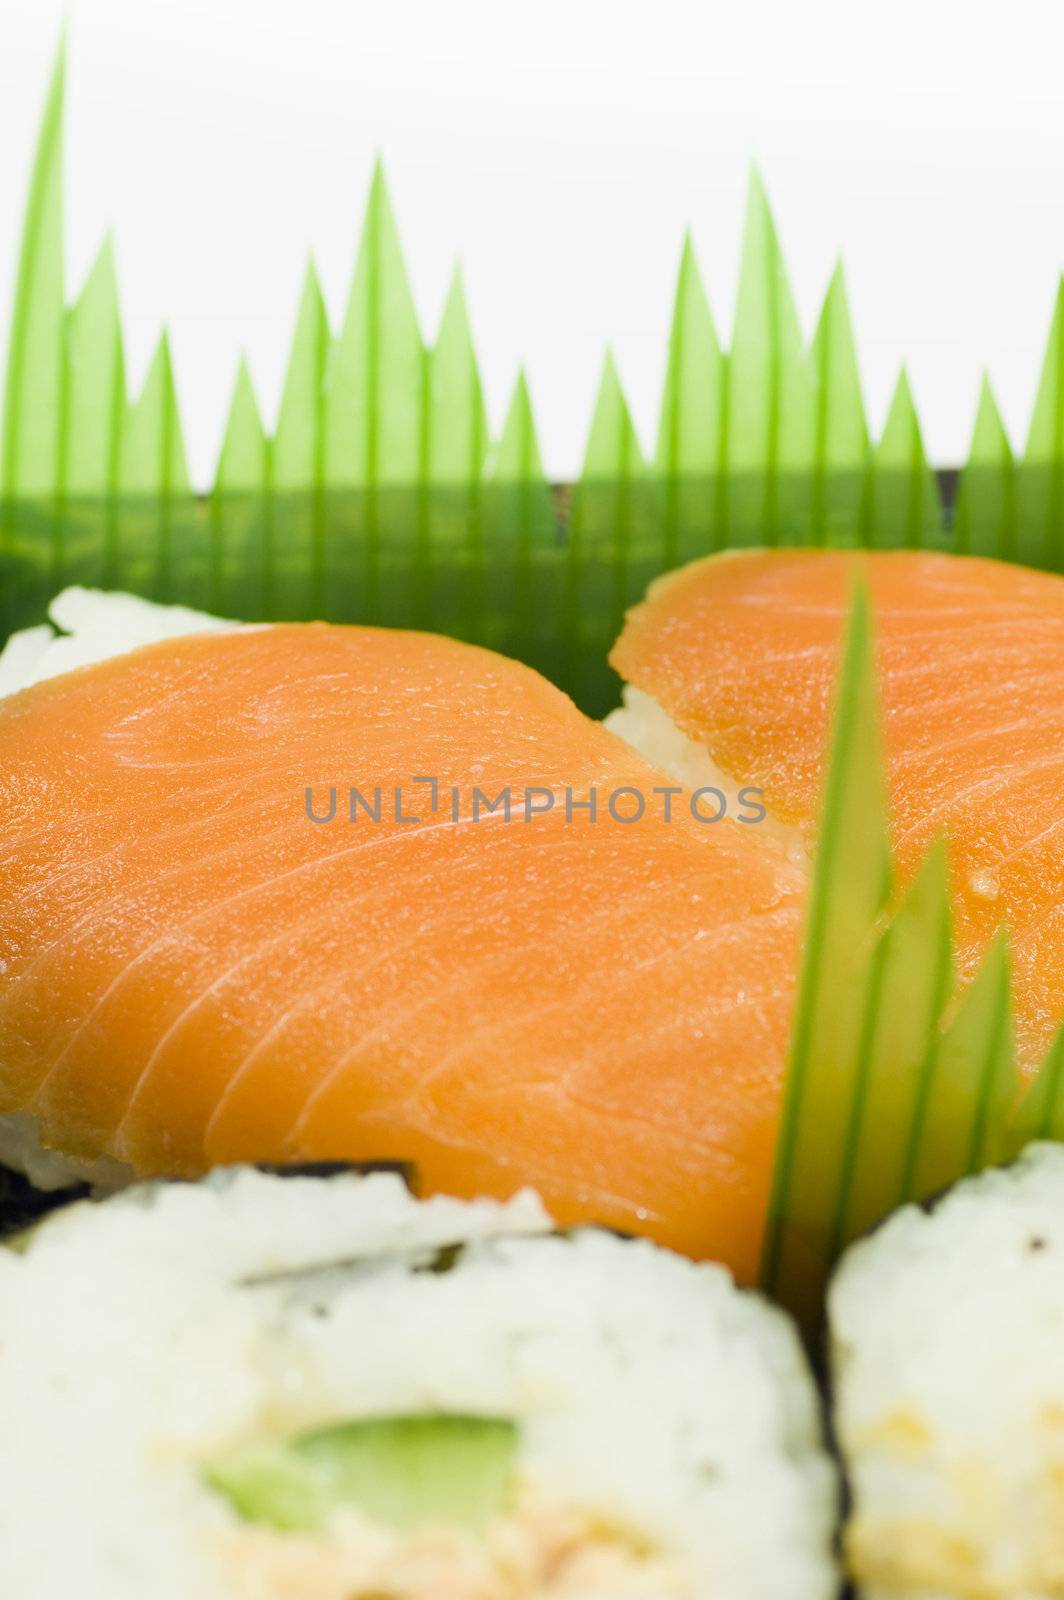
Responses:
[251,909]
[733,660]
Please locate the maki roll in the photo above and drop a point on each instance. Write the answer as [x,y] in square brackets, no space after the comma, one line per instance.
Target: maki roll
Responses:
[320,1387]
[947,1331]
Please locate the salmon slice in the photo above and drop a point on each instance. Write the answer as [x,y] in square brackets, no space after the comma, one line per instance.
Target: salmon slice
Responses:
[741,652]
[193,972]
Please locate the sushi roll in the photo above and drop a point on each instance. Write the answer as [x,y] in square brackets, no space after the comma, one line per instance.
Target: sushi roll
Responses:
[947,1340]
[261,1388]
[730,666]
[307,892]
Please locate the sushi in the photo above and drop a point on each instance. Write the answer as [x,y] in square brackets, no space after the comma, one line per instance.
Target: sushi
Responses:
[320,1387]
[260,900]
[949,1391]
[730,665]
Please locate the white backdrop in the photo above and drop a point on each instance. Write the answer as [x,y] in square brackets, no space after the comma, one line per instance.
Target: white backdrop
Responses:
[559,147]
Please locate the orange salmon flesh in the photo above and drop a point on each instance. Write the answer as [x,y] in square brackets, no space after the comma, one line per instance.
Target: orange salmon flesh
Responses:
[742,651]
[195,973]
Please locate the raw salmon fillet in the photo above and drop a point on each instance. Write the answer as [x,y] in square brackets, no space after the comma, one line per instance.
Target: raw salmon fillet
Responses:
[193,972]
[742,651]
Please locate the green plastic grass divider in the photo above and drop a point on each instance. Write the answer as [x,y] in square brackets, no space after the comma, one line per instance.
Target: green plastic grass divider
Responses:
[613,546]
[842,457]
[33,392]
[829,1049]
[770,413]
[524,554]
[986,503]
[1040,524]
[298,463]
[241,549]
[689,459]
[900,1082]
[381,498]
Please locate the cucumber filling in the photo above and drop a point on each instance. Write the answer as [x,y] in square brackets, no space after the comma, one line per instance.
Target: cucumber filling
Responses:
[421,1508]
[400,1472]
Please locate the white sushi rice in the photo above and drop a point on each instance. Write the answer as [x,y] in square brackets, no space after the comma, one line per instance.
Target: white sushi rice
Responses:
[91,625]
[948,1357]
[22,1151]
[666,1421]
[644,724]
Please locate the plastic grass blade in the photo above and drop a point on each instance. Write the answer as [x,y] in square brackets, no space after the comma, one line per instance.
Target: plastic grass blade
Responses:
[455,447]
[299,442]
[905,508]
[842,451]
[913,979]
[690,431]
[770,406]
[613,545]
[523,546]
[1041,523]
[1040,1112]
[851,883]
[374,380]
[241,506]
[971,1085]
[298,461]
[374,424]
[986,501]
[33,389]
[155,499]
[384,498]
[93,409]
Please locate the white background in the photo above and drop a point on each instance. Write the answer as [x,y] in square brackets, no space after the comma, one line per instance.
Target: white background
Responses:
[559,148]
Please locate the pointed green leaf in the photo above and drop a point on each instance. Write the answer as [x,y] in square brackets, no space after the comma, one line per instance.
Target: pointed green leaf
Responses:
[298,462]
[374,421]
[458,431]
[986,502]
[1040,530]
[93,403]
[33,391]
[243,576]
[851,883]
[153,452]
[516,459]
[448,561]
[242,463]
[95,389]
[841,445]
[971,1085]
[1040,1112]
[912,982]
[525,558]
[690,432]
[614,540]
[906,512]
[299,443]
[770,407]
[374,380]
[155,507]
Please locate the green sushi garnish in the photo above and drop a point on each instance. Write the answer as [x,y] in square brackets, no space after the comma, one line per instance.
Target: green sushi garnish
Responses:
[399,1471]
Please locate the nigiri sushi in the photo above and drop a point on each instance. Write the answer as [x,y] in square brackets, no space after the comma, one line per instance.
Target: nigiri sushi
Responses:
[251,909]
[730,665]
[317,1386]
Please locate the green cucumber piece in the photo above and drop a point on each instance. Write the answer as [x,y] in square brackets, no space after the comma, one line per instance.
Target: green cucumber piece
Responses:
[400,1471]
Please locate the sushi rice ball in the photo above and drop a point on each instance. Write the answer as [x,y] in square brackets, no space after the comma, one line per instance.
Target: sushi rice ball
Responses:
[947,1331]
[317,1387]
